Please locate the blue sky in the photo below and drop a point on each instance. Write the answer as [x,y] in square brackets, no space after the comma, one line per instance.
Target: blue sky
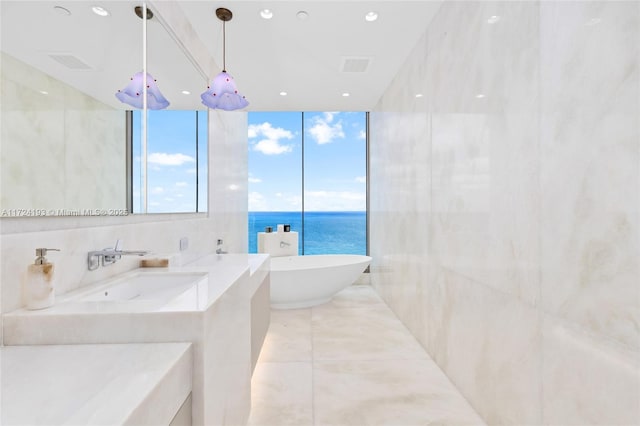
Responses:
[171,161]
[334,164]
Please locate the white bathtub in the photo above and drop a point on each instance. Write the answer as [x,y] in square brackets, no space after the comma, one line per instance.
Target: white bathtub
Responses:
[303,281]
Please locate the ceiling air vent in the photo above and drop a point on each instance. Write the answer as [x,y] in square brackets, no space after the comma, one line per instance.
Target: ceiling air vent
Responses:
[355,64]
[69,61]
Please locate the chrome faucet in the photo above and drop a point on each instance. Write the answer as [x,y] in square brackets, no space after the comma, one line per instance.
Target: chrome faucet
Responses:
[284,244]
[110,255]
[219,249]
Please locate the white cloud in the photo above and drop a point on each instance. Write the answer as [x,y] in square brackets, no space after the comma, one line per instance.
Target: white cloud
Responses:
[254,180]
[276,202]
[164,159]
[192,171]
[181,184]
[157,190]
[268,131]
[335,201]
[295,202]
[271,142]
[328,116]
[361,179]
[271,147]
[362,134]
[257,202]
[323,131]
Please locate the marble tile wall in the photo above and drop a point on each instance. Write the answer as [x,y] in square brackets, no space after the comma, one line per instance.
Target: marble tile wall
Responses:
[50,145]
[505,206]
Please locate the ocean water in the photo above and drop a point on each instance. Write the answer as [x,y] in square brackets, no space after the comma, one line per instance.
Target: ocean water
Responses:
[324,232]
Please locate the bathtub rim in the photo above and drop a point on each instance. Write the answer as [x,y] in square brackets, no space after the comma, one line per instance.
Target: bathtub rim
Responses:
[303,262]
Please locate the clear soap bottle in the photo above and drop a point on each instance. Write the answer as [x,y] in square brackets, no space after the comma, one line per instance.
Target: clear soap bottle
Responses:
[39,282]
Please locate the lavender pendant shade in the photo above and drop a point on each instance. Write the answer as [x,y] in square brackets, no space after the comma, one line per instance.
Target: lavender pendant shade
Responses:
[223,93]
[132,94]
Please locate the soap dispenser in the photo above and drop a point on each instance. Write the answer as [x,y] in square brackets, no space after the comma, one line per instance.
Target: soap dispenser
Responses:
[39,282]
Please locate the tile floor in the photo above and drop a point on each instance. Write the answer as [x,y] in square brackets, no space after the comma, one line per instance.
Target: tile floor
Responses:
[350,362]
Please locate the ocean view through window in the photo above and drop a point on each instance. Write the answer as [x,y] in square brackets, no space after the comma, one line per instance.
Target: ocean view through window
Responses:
[308,170]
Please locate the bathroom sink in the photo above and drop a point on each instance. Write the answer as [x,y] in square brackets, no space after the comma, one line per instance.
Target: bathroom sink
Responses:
[144,286]
[163,289]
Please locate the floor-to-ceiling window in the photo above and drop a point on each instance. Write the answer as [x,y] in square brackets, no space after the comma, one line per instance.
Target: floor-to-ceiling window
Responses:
[308,170]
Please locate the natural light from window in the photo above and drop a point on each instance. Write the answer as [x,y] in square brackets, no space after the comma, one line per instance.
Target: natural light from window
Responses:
[308,170]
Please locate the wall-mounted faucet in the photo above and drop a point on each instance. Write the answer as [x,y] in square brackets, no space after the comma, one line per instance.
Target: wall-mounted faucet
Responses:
[110,256]
[219,249]
[284,244]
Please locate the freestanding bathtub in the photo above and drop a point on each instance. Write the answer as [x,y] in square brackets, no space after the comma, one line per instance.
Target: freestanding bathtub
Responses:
[303,281]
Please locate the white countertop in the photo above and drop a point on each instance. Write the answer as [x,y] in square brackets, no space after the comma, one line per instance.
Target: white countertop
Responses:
[220,271]
[111,384]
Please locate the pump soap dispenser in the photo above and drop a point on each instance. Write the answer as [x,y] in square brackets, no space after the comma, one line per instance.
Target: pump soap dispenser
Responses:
[39,282]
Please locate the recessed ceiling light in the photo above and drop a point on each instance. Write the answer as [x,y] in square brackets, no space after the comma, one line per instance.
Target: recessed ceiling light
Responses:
[493,19]
[100,11]
[371,16]
[61,10]
[186,92]
[283,93]
[419,95]
[346,94]
[44,92]
[302,15]
[480,95]
[266,13]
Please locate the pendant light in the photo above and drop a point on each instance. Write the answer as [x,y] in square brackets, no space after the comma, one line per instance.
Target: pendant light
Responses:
[223,93]
[134,93]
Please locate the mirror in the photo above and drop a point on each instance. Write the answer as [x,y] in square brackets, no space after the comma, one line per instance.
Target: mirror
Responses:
[64,133]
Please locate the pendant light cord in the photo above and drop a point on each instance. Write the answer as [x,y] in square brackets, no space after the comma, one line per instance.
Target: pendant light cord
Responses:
[224,46]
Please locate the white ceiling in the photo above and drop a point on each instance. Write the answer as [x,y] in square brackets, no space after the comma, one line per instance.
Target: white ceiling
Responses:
[302,57]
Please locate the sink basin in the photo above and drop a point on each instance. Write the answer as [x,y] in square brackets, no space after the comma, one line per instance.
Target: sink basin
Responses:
[143,286]
[158,291]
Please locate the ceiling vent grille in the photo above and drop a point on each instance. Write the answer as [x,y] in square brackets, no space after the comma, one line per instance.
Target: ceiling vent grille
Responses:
[69,61]
[355,64]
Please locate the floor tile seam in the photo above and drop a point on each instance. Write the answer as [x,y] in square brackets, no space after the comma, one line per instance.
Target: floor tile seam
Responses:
[374,309]
[313,392]
[285,362]
[359,321]
[386,359]
[400,336]
[377,306]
